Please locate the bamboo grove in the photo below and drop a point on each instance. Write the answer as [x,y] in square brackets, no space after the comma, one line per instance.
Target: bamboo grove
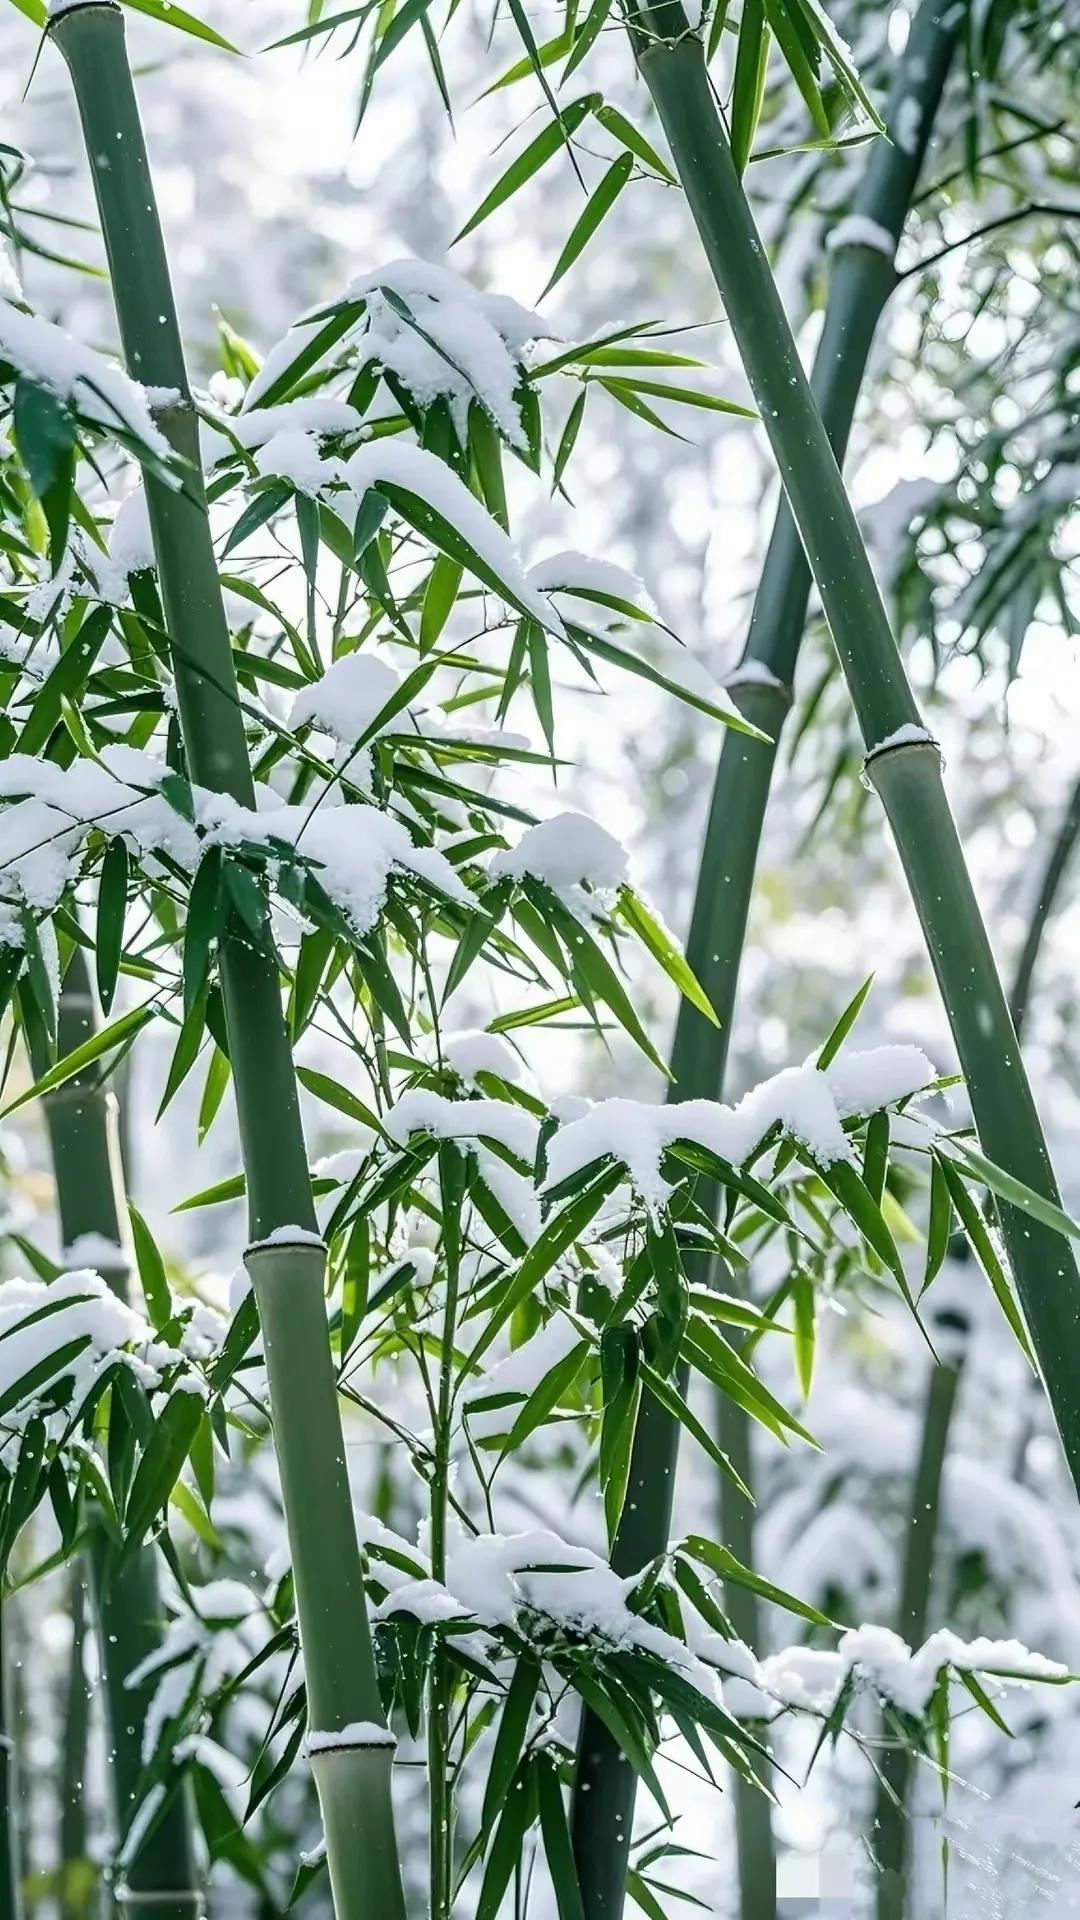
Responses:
[260,788]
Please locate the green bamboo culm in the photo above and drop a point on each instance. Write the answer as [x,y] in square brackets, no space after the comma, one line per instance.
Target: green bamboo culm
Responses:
[903,761]
[890,1841]
[11,1902]
[78,1875]
[861,281]
[351,1753]
[162,1878]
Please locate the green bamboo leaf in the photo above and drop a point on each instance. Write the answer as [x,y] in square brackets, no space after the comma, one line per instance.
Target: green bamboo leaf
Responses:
[589,32]
[159,1469]
[751,66]
[559,1233]
[518,1814]
[805,1308]
[525,68]
[844,1025]
[599,204]
[152,1274]
[720,1560]
[788,25]
[821,30]
[513,1726]
[863,1211]
[333,1094]
[555,1832]
[546,1396]
[635,142]
[232,1188]
[440,595]
[535,155]
[663,946]
[170,15]
[608,649]
[568,437]
[985,1252]
[674,1404]
[939,1227]
[109,1038]
[218,1074]
[621,385]
[1015,1192]
[621,1392]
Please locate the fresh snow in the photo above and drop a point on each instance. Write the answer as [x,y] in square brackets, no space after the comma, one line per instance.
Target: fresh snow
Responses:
[471,1052]
[419,1111]
[100,389]
[358,1733]
[857,230]
[809,1104]
[567,852]
[907,126]
[421,473]
[347,698]
[94,1250]
[461,344]
[909,735]
[561,573]
[355,849]
[514,1378]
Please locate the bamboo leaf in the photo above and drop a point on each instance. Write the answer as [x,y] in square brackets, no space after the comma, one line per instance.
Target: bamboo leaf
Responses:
[599,204]
[978,1235]
[844,1025]
[665,948]
[535,155]
[1014,1191]
[555,1830]
[170,15]
[105,1041]
[722,1561]
[155,1282]
[635,142]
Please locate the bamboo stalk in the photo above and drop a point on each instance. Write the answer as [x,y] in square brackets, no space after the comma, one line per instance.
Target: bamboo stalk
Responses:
[861,281]
[74,1853]
[352,1770]
[903,762]
[891,1837]
[80,1118]
[11,1903]
[1054,873]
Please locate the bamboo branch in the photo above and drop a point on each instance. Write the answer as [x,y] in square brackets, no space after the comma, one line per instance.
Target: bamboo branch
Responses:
[1056,868]
[350,1750]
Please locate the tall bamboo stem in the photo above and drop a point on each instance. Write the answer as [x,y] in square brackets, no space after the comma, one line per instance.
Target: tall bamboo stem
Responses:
[861,281]
[80,1118]
[74,1853]
[891,1838]
[903,762]
[352,1758]
[11,1905]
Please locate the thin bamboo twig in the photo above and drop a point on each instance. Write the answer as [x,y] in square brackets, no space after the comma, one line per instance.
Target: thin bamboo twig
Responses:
[861,280]
[1057,865]
[80,1118]
[903,761]
[351,1753]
